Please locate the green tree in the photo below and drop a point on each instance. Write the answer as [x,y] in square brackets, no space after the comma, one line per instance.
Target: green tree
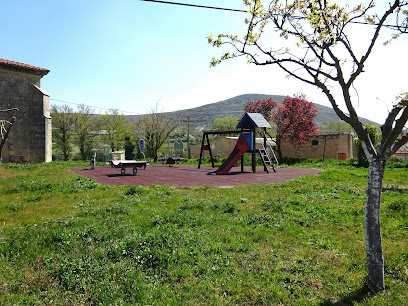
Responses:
[63,120]
[129,140]
[316,49]
[336,127]
[114,127]
[225,124]
[155,128]
[85,126]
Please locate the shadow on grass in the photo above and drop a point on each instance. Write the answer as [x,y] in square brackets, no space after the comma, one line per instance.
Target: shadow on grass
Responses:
[358,295]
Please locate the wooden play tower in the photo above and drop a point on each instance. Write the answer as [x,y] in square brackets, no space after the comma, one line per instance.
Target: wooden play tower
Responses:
[247,128]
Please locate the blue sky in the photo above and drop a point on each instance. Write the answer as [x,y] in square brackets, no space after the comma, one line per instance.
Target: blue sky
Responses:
[129,54]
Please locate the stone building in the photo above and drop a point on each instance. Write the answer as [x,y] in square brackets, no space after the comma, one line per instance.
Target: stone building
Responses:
[337,146]
[402,153]
[30,139]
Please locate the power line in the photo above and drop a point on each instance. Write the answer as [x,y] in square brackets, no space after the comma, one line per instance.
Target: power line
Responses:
[73,103]
[195,5]
[243,11]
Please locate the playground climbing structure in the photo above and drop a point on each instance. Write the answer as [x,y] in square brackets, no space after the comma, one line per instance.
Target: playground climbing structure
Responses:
[246,143]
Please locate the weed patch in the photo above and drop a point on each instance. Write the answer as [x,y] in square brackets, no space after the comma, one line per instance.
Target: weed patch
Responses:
[135,190]
[15,206]
[83,183]
[400,206]
[224,207]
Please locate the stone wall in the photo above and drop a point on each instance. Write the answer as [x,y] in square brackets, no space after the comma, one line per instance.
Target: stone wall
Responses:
[30,139]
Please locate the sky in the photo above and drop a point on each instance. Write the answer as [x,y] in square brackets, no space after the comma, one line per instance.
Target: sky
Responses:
[131,55]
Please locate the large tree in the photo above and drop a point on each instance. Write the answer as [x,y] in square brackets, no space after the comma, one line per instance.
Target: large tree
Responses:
[7,119]
[113,124]
[85,126]
[63,119]
[293,119]
[295,122]
[263,106]
[155,128]
[325,57]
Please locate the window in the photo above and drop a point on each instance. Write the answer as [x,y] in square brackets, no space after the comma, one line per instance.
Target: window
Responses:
[315,142]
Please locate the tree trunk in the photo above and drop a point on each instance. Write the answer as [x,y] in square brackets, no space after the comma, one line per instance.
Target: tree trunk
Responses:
[374,250]
[155,157]
[65,152]
[64,145]
[82,151]
[278,147]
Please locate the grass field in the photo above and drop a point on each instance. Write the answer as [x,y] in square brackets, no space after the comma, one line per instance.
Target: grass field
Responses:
[68,240]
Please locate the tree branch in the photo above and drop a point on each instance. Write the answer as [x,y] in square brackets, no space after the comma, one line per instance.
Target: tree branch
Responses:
[391,134]
[364,58]
[399,143]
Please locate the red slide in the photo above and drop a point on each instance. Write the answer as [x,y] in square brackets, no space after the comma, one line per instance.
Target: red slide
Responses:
[244,144]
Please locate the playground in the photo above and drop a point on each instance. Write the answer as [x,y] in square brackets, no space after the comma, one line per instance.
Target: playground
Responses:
[190,176]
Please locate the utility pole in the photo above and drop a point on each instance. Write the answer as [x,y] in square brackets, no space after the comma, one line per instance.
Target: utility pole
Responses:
[188,136]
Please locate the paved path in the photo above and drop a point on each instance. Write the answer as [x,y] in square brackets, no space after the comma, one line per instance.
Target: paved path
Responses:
[191,176]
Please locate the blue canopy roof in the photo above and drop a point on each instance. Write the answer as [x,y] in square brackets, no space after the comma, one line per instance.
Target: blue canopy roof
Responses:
[253,119]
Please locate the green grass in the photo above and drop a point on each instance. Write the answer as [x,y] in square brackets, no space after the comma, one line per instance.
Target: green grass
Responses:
[65,239]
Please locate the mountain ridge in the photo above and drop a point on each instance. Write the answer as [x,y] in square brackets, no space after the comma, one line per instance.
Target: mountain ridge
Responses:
[202,117]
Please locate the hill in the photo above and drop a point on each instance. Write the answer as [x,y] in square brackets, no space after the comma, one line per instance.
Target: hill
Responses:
[202,117]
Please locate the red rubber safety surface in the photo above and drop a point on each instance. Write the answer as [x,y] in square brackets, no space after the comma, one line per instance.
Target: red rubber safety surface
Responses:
[191,176]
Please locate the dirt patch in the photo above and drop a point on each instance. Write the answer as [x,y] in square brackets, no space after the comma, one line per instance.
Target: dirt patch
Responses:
[4,173]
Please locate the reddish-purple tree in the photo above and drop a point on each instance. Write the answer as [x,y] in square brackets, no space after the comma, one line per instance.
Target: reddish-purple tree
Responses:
[295,121]
[263,106]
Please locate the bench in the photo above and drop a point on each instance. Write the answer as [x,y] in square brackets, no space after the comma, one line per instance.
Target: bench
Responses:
[123,164]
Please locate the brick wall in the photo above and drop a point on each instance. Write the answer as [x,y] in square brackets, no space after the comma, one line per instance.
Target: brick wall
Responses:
[339,146]
[30,139]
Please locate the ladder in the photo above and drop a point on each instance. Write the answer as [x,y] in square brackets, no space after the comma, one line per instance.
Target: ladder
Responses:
[266,159]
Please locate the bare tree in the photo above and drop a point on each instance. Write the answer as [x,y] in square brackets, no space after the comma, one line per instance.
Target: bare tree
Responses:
[323,56]
[155,128]
[6,125]
[63,119]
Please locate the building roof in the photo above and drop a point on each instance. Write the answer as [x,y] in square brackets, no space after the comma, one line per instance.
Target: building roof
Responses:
[253,119]
[403,149]
[22,67]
